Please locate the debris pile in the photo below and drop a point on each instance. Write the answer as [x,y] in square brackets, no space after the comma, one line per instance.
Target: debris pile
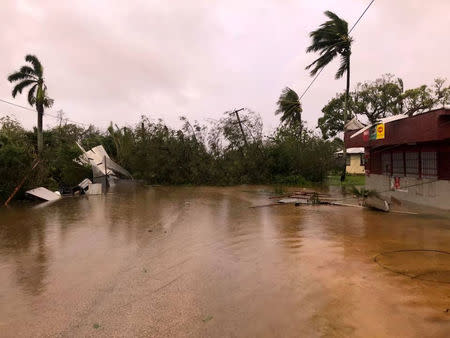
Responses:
[105,173]
[104,170]
[311,197]
[306,196]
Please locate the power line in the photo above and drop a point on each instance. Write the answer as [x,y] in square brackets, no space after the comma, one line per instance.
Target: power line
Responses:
[311,83]
[17,105]
[360,17]
[45,114]
[351,29]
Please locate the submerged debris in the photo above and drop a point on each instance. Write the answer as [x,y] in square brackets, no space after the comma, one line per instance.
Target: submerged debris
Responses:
[44,194]
[310,197]
[377,203]
[307,197]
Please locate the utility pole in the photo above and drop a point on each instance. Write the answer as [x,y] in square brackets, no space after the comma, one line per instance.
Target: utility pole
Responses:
[236,111]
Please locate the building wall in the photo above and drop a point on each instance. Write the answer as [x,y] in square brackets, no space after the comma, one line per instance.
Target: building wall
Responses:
[355,166]
[429,192]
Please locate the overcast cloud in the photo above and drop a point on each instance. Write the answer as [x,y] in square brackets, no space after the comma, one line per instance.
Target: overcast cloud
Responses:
[117,60]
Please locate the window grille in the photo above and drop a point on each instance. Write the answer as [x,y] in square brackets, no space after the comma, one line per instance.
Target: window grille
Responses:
[412,163]
[398,165]
[429,164]
[375,163]
[386,163]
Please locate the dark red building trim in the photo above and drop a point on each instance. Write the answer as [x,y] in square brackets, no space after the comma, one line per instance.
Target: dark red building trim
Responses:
[423,133]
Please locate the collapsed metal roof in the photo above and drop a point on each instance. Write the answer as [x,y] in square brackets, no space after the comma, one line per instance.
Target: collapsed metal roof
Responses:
[101,163]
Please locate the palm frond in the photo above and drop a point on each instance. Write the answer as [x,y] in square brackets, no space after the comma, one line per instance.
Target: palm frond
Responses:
[343,67]
[48,102]
[321,62]
[37,66]
[17,76]
[289,106]
[329,40]
[31,95]
[29,71]
[333,16]
[20,86]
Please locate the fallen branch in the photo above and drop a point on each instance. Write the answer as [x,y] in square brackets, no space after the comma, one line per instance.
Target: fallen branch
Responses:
[36,162]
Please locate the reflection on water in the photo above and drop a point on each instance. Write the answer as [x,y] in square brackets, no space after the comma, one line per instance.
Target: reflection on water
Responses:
[154,261]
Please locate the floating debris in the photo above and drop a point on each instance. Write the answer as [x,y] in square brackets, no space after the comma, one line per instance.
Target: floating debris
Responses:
[377,203]
[44,194]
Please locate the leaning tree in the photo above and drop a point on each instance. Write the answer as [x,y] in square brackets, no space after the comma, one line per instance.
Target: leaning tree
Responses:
[290,108]
[332,40]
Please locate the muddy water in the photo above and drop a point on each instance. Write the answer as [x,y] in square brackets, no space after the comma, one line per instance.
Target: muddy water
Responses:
[199,262]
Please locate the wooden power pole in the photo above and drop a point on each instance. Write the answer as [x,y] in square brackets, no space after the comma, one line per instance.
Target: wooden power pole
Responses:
[236,111]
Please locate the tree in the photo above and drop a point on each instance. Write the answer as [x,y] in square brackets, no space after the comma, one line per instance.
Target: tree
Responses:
[441,93]
[332,40]
[417,100]
[291,109]
[332,121]
[37,95]
[378,99]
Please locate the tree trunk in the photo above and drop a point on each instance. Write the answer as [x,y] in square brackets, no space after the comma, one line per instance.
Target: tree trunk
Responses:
[347,93]
[300,125]
[40,136]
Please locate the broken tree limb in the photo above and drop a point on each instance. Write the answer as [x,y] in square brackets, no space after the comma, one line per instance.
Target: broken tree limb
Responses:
[16,189]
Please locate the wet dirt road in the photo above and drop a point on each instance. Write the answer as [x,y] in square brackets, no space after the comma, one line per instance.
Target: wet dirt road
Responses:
[198,262]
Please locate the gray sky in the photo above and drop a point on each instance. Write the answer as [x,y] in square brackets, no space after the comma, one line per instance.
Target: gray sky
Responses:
[117,60]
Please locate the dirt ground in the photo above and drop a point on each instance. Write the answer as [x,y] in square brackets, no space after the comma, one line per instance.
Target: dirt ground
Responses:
[199,262]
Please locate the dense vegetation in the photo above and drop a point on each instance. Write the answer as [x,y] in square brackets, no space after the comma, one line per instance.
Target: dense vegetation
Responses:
[223,152]
[218,153]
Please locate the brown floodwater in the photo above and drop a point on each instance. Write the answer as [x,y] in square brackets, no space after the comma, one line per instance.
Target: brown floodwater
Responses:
[199,262]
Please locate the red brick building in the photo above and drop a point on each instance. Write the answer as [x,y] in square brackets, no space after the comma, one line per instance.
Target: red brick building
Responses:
[411,161]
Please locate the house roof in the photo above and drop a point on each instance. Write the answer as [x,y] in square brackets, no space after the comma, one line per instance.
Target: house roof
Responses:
[431,126]
[383,120]
[354,124]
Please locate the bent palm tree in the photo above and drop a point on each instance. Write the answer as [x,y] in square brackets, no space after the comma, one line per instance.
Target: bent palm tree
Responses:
[332,40]
[291,109]
[37,94]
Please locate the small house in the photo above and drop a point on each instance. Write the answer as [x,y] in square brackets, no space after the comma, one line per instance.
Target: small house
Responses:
[354,162]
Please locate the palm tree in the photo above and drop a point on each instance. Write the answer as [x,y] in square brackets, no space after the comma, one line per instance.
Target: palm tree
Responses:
[332,40]
[37,94]
[291,109]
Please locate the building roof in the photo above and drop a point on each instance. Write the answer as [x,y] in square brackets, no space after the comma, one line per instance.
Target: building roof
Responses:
[383,120]
[355,150]
[354,124]
[431,126]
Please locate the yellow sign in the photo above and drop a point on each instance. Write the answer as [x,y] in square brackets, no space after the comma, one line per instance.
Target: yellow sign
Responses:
[380,131]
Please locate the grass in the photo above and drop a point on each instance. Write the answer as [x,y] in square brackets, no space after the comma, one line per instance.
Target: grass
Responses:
[350,180]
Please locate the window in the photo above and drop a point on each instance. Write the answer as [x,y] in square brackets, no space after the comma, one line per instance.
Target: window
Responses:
[398,165]
[386,163]
[361,160]
[429,164]
[412,164]
[347,160]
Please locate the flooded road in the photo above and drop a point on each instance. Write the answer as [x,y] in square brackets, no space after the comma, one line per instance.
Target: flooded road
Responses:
[198,262]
